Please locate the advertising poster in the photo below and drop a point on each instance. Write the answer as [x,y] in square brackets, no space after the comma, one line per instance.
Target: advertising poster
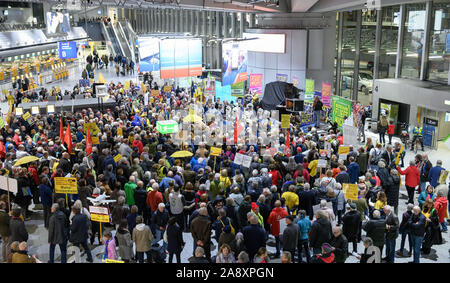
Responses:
[309,90]
[234,59]
[180,58]
[148,54]
[57,22]
[237,89]
[256,83]
[282,77]
[67,50]
[326,94]
[341,108]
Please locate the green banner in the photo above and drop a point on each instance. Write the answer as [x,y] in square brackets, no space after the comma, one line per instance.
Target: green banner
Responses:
[237,89]
[309,90]
[341,108]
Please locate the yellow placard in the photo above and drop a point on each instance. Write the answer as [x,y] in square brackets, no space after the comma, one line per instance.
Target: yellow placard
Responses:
[100,218]
[93,128]
[6,172]
[143,87]
[215,151]
[95,140]
[119,132]
[285,121]
[2,76]
[65,185]
[107,260]
[344,150]
[443,176]
[117,158]
[397,159]
[55,165]
[127,85]
[167,88]
[26,116]
[155,92]
[350,191]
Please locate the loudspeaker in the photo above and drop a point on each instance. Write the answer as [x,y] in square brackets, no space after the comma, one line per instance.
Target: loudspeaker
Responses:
[294,105]
[291,91]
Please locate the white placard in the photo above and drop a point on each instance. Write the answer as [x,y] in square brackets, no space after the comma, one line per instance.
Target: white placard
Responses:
[12,185]
[247,160]
[350,135]
[238,159]
[342,156]
[4,183]
[98,210]
[322,163]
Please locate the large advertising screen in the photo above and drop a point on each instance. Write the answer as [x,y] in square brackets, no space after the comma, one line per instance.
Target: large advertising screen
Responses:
[234,68]
[58,22]
[67,50]
[180,58]
[148,54]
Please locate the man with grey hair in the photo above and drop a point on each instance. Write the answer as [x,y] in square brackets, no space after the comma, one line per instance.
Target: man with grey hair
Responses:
[416,224]
[376,229]
[404,230]
[383,174]
[254,236]
[201,228]
[393,191]
[391,233]
[199,256]
[57,233]
[321,231]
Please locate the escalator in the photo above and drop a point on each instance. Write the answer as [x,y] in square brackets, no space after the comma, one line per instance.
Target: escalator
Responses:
[113,39]
[118,31]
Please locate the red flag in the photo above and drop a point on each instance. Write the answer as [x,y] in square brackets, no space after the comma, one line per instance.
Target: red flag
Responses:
[288,145]
[61,130]
[88,143]
[68,139]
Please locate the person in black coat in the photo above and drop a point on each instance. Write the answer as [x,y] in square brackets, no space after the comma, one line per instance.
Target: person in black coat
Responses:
[254,237]
[290,236]
[17,227]
[393,191]
[140,197]
[79,232]
[340,245]
[352,225]
[383,174]
[343,177]
[392,225]
[416,223]
[57,233]
[307,199]
[243,209]
[320,231]
[175,243]
[376,230]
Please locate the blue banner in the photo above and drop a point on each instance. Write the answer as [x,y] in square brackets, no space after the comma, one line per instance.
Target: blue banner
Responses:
[148,54]
[67,50]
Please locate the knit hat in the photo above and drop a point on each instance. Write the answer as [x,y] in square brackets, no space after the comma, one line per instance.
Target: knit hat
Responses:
[254,206]
[326,248]
[299,149]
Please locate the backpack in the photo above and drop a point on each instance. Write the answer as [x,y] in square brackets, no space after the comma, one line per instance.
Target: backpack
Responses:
[229,223]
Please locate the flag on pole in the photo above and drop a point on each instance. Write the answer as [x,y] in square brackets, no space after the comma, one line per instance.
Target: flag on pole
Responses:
[61,130]
[397,159]
[88,143]
[235,130]
[68,139]
[288,143]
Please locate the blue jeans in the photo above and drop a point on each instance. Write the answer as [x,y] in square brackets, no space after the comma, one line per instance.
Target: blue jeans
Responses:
[423,186]
[417,243]
[63,249]
[390,250]
[159,236]
[278,244]
[444,226]
[402,243]
[317,118]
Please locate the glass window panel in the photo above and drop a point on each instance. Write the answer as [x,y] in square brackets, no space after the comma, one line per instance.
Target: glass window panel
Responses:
[413,40]
[388,46]
[439,54]
[348,53]
[367,56]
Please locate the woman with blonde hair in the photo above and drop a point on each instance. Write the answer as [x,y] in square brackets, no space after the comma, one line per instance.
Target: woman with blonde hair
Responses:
[225,255]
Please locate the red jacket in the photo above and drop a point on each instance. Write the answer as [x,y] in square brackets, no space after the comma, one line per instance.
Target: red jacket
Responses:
[390,130]
[305,175]
[277,214]
[341,140]
[412,176]
[275,177]
[154,198]
[35,174]
[138,144]
[440,204]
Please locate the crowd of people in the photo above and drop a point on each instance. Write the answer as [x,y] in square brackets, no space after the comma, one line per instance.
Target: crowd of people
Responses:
[283,198]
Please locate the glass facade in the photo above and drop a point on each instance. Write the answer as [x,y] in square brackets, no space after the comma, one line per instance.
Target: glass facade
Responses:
[439,52]
[412,46]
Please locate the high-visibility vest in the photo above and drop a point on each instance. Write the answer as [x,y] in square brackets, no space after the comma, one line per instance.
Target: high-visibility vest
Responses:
[418,131]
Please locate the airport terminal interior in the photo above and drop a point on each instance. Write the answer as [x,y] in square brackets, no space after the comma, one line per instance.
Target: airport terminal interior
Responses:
[107,106]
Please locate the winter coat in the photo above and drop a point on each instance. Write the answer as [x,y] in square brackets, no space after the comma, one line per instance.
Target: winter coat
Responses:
[274,219]
[244,208]
[225,259]
[140,196]
[176,203]
[57,229]
[352,224]
[376,230]
[392,191]
[226,238]
[423,197]
[142,237]
[154,198]
[125,244]
[353,172]
[79,229]
[383,174]
[254,238]
[306,201]
[110,249]
[304,226]
[340,196]
[320,233]
[18,231]
[343,178]
[201,229]
[404,228]
[174,238]
[412,176]
[416,224]
[362,160]
[340,244]
[160,219]
[118,213]
[392,221]
[441,204]
[5,219]
[434,175]
[129,191]
[290,237]
[45,192]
